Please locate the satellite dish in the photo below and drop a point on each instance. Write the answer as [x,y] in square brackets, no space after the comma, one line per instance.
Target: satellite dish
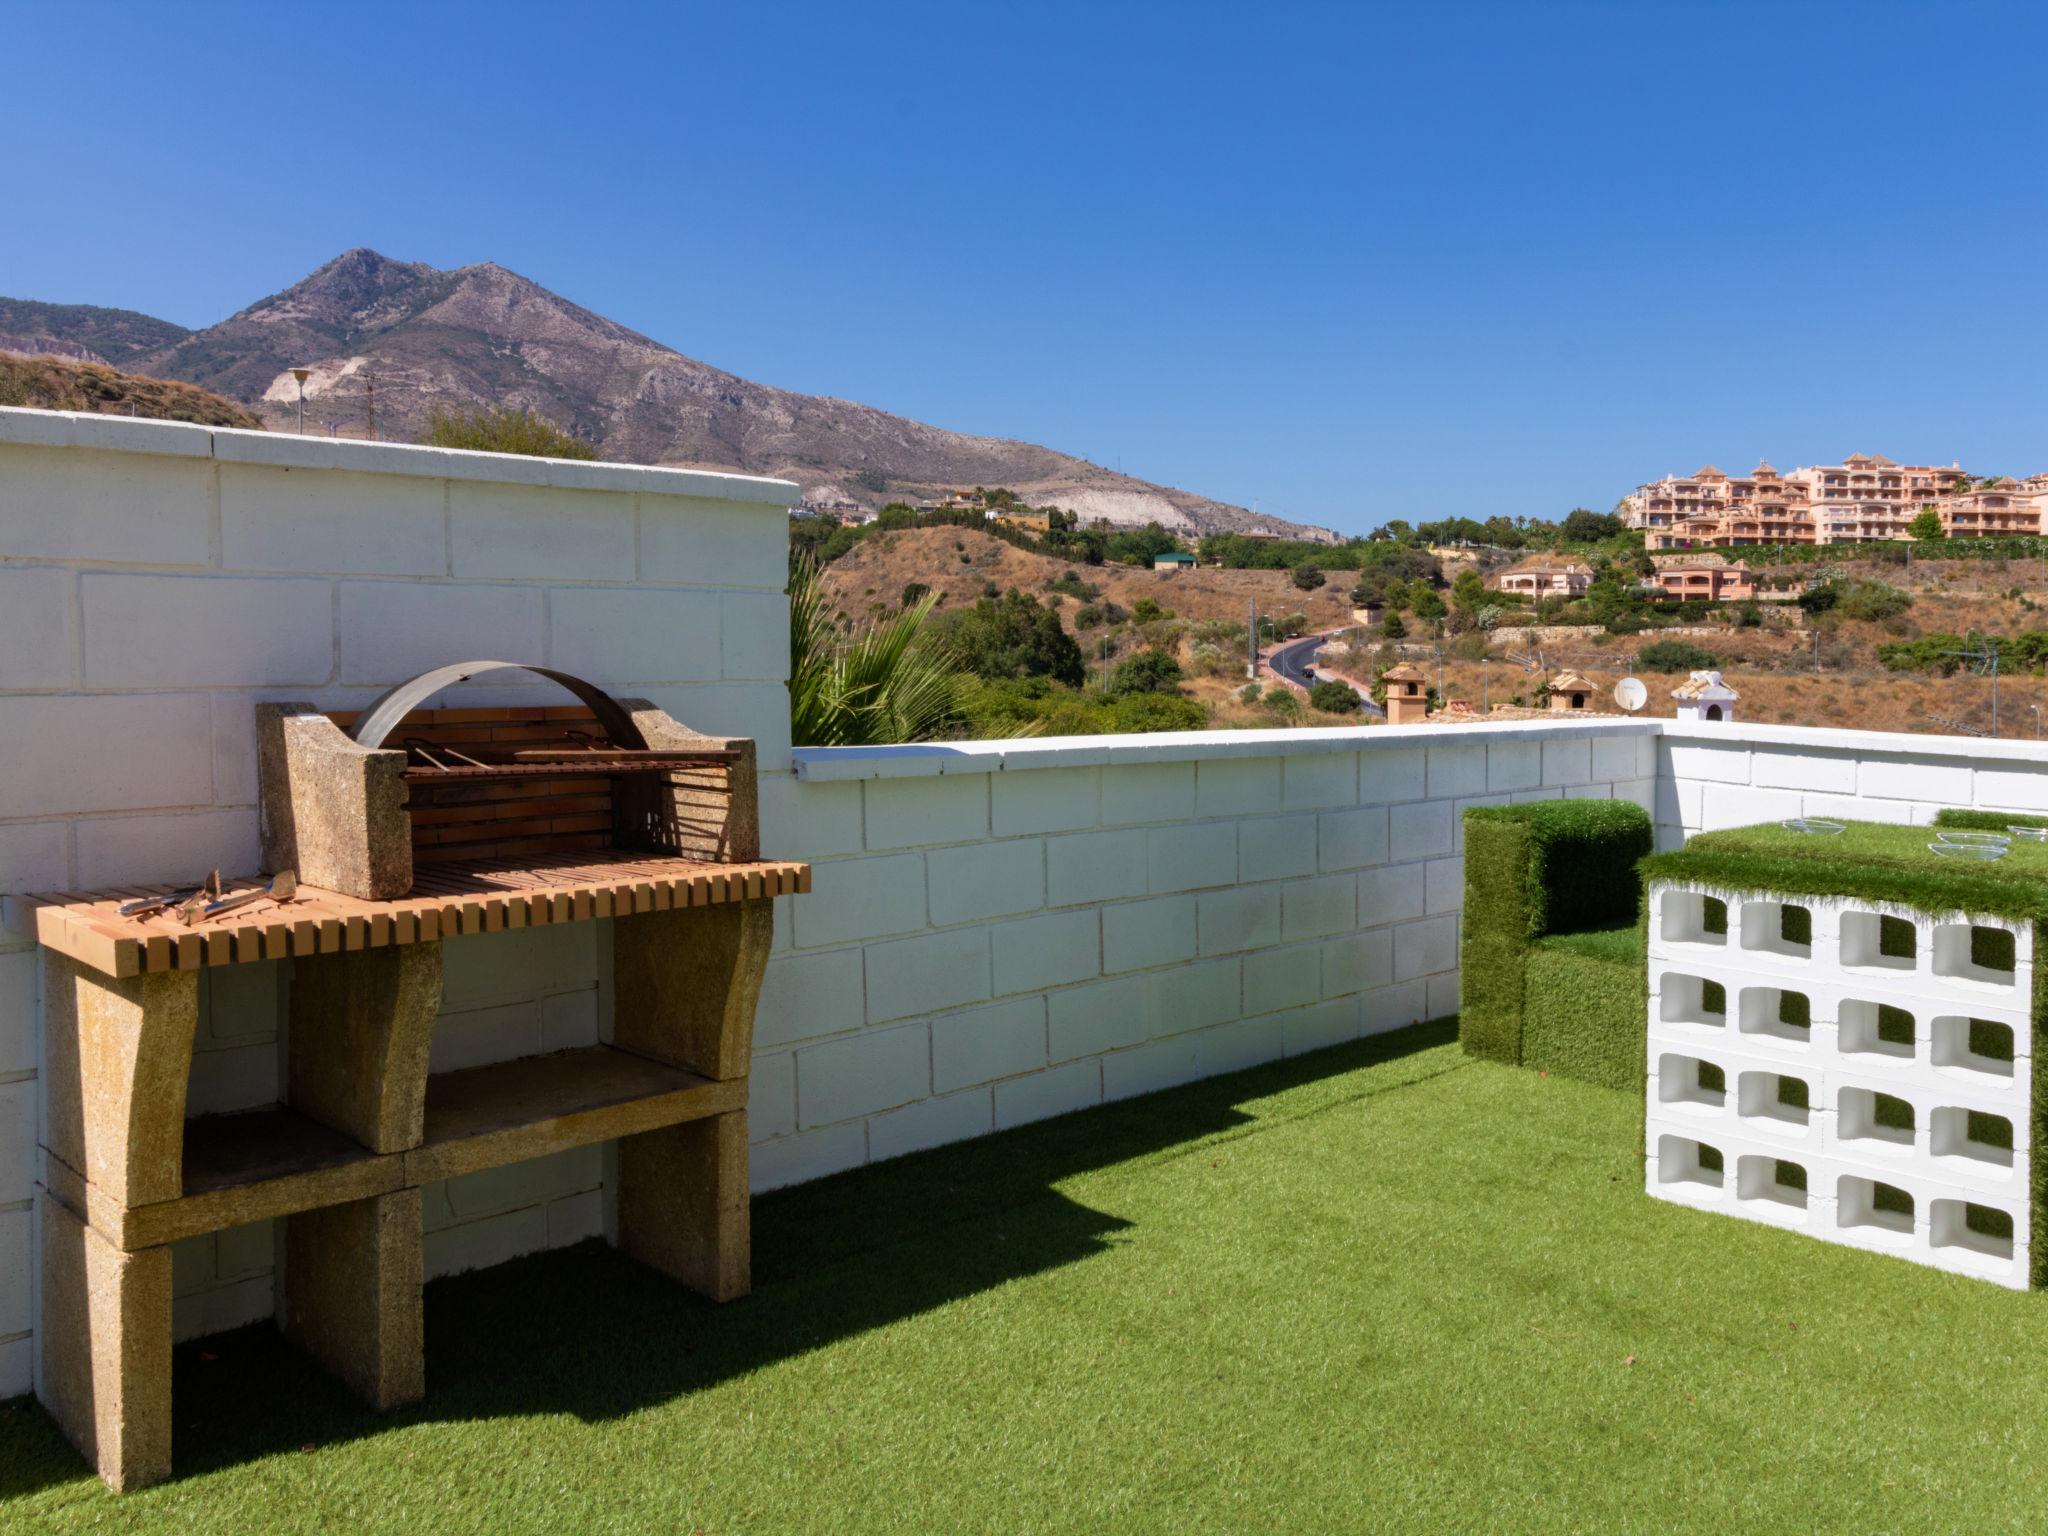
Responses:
[1630,694]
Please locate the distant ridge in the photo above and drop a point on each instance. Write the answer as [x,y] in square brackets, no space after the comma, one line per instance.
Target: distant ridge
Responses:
[416,336]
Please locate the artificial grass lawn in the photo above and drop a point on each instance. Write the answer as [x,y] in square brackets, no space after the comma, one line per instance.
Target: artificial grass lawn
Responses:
[1382,1287]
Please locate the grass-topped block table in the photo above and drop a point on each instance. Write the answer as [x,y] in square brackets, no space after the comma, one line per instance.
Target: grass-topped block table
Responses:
[1842,1040]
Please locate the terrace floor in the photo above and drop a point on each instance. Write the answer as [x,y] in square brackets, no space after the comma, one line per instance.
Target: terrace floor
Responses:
[1381,1287]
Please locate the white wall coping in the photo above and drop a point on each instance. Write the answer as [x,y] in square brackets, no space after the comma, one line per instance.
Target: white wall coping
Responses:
[1823,738]
[931,759]
[126,434]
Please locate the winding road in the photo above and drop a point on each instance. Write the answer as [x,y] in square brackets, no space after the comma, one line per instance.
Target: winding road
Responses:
[1294,663]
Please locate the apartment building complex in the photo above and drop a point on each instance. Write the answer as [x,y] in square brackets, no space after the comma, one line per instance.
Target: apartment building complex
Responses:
[1865,497]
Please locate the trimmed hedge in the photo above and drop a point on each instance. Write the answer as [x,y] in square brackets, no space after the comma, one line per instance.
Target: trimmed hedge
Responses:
[1890,867]
[1555,878]
[1580,858]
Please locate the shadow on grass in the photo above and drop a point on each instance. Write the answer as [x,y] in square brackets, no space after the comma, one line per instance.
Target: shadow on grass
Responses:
[588,1331]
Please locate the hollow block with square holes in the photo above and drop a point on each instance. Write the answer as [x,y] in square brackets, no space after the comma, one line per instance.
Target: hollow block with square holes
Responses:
[406,827]
[1856,1071]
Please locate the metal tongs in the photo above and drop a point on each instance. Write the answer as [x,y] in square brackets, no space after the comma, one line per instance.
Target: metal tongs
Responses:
[187,903]
[284,885]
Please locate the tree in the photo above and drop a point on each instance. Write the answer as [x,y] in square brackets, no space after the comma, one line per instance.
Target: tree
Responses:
[1424,602]
[1468,592]
[1584,527]
[1308,577]
[1927,525]
[1392,627]
[1013,636]
[890,683]
[1333,697]
[1147,611]
[1146,672]
[1675,656]
[1140,546]
[508,430]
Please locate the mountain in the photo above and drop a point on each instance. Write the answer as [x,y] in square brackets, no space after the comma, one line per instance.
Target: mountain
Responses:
[82,332]
[402,337]
[48,382]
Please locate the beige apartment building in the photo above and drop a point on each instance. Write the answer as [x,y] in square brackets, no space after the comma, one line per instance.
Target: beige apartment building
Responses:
[1864,498]
[1545,576]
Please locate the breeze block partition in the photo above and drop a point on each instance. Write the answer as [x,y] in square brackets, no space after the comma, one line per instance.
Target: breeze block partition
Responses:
[1551,969]
[1842,1036]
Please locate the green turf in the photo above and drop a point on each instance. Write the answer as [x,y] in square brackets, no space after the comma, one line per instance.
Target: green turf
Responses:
[1385,1287]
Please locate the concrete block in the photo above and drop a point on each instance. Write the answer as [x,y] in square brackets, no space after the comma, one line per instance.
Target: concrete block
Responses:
[1358,962]
[1443,886]
[16,1244]
[1830,772]
[1390,894]
[1424,948]
[934,971]
[1314,909]
[1738,805]
[771,1095]
[135,850]
[17,1366]
[1186,858]
[1698,760]
[34,855]
[1094,866]
[42,629]
[1276,848]
[983,880]
[906,813]
[1458,809]
[802,820]
[20,1021]
[481,1244]
[1567,762]
[1276,979]
[1237,786]
[274,518]
[1925,779]
[1241,919]
[1351,839]
[804,996]
[574,1218]
[1615,757]
[1323,781]
[235,1304]
[860,899]
[1140,934]
[475,1037]
[1513,765]
[1083,1021]
[621,637]
[1442,996]
[1394,1007]
[1233,1047]
[984,1044]
[80,504]
[1319,1026]
[1045,800]
[1059,1091]
[539,533]
[1641,792]
[568,1020]
[684,539]
[393,630]
[860,1074]
[756,710]
[106,753]
[1150,1067]
[1455,771]
[1039,952]
[1387,778]
[1420,831]
[808,1155]
[932,1123]
[514,964]
[1678,802]
[1185,997]
[1141,792]
[2012,789]
[753,630]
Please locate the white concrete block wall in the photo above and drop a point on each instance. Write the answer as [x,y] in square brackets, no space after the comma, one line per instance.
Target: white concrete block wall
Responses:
[999,932]
[157,580]
[1842,1065]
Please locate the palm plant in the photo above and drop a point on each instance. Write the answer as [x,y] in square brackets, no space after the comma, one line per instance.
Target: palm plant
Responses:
[892,682]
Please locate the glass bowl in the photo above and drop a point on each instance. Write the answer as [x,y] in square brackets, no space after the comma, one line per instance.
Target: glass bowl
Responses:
[2030,834]
[1983,853]
[1973,839]
[1812,826]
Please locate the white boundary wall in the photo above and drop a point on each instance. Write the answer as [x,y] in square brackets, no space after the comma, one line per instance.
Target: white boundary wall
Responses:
[999,931]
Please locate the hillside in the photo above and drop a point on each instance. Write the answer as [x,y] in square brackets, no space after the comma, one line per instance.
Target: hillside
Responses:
[416,336]
[64,384]
[82,332]
[962,563]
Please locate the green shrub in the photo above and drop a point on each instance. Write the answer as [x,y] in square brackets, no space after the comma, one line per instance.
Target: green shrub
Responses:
[1675,656]
[1333,697]
[504,431]
[1011,636]
[1308,577]
[1146,672]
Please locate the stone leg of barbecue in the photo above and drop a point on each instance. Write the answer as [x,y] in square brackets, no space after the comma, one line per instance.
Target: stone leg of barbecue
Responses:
[117,1059]
[351,1294]
[686,983]
[683,1204]
[105,1343]
[362,1026]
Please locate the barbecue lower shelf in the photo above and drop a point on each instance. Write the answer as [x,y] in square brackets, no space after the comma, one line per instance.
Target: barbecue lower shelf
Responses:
[473,896]
[262,1164]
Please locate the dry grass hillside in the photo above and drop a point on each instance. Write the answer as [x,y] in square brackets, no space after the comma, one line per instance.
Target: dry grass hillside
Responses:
[63,384]
[962,563]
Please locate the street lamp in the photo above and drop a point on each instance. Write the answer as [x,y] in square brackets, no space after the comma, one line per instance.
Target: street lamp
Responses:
[301,374]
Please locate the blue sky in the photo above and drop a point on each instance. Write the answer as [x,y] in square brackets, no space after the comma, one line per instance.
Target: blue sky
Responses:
[1351,262]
